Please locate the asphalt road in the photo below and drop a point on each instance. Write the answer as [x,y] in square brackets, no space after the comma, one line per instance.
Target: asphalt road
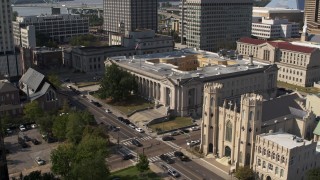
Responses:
[151,147]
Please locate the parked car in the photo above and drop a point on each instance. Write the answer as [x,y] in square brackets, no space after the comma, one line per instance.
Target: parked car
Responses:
[8,131]
[173,173]
[195,128]
[139,130]
[174,133]
[125,155]
[97,104]
[108,111]
[120,119]
[22,128]
[34,126]
[167,138]
[113,128]
[136,142]
[126,121]
[132,126]
[166,159]
[24,145]
[35,142]
[40,161]
[193,142]
[181,156]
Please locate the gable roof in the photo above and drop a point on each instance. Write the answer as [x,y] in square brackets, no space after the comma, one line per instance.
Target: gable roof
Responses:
[282,106]
[32,79]
[280,45]
[7,87]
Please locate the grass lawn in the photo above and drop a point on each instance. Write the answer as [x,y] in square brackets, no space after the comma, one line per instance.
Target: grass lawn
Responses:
[84,84]
[132,104]
[177,122]
[301,89]
[132,173]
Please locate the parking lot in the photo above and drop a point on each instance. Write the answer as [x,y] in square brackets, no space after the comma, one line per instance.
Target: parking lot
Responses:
[23,159]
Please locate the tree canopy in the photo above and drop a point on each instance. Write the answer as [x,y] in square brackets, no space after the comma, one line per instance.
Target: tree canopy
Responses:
[83,40]
[54,79]
[117,84]
[244,173]
[32,111]
[313,174]
[143,164]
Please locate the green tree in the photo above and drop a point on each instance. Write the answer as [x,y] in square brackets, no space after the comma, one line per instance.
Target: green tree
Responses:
[83,40]
[54,79]
[32,111]
[62,159]
[59,127]
[117,84]
[45,122]
[14,15]
[244,173]
[143,164]
[74,128]
[313,174]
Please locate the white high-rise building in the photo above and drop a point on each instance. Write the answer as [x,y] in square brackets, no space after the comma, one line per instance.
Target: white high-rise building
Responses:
[9,59]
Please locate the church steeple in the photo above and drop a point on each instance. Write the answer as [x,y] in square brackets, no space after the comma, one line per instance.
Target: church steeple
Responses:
[304,35]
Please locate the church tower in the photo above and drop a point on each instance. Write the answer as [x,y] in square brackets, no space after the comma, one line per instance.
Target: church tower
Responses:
[210,116]
[249,127]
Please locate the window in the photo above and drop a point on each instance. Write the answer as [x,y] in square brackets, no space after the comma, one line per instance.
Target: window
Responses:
[264,151]
[268,155]
[273,155]
[263,164]
[270,166]
[276,170]
[282,159]
[281,173]
[278,157]
[250,115]
[291,161]
[229,131]
[259,149]
[259,162]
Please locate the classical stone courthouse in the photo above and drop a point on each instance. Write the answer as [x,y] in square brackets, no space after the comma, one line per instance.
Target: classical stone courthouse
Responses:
[176,79]
[229,130]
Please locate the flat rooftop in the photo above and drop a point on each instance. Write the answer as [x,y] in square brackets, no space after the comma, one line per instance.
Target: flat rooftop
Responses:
[286,140]
[274,10]
[161,64]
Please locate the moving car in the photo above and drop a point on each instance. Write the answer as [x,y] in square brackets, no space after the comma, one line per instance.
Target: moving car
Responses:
[193,142]
[136,142]
[108,111]
[195,128]
[139,130]
[125,155]
[181,156]
[173,173]
[22,128]
[167,138]
[40,161]
[132,126]
[166,159]
[34,126]
[35,141]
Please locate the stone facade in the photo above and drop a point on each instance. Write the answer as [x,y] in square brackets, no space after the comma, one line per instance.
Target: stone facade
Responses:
[284,156]
[176,79]
[229,130]
[298,65]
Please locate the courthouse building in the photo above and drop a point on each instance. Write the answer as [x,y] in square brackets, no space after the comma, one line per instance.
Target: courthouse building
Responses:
[176,79]
[298,65]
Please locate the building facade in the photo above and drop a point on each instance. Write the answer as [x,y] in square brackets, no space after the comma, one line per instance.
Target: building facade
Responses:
[25,37]
[59,28]
[274,28]
[128,15]
[293,15]
[139,42]
[311,13]
[229,131]
[219,24]
[298,65]
[9,99]
[284,156]
[175,79]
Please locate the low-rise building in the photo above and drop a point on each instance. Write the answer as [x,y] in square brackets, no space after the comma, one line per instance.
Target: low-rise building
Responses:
[45,57]
[9,99]
[293,15]
[298,65]
[284,156]
[139,42]
[263,28]
[175,79]
[37,88]
[60,27]
[312,102]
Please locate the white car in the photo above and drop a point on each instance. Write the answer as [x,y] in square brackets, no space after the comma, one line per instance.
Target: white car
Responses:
[195,128]
[132,126]
[22,128]
[139,130]
[193,142]
[108,111]
[39,161]
[69,87]
[34,126]
[173,173]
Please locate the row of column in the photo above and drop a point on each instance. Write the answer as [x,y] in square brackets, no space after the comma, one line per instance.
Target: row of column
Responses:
[149,89]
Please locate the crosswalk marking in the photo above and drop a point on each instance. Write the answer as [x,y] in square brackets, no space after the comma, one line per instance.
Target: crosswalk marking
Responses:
[127,142]
[156,158]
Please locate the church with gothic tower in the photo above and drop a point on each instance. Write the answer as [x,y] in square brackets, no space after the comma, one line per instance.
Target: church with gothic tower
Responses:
[229,130]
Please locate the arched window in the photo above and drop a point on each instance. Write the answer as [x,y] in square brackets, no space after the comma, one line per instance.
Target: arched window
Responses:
[211,102]
[229,131]
[250,115]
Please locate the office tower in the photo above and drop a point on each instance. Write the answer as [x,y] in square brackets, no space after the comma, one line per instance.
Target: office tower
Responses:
[9,59]
[6,37]
[311,13]
[129,15]
[214,24]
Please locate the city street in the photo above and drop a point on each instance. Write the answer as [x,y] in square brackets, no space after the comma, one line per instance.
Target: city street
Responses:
[152,147]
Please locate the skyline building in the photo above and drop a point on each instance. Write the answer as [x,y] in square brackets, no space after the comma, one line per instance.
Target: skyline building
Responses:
[128,15]
[312,16]
[211,25]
